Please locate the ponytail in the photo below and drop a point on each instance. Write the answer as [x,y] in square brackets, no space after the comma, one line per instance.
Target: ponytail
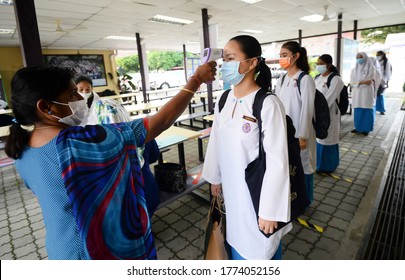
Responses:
[29,85]
[16,141]
[294,47]
[333,69]
[264,77]
[302,62]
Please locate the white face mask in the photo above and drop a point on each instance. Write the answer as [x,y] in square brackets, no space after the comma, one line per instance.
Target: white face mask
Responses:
[79,114]
[86,95]
[379,57]
[321,69]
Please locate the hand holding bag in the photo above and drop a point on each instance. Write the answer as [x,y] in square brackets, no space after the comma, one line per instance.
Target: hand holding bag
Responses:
[215,245]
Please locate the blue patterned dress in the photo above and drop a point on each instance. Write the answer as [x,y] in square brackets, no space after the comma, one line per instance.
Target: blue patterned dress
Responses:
[89,184]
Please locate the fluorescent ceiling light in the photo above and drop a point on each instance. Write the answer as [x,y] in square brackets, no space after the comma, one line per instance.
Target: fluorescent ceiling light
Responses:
[123,38]
[170,20]
[6,31]
[312,18]
[251,1]
[251,31]
[6,2]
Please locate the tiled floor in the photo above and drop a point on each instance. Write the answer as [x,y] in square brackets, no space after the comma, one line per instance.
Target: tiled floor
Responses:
[341,207]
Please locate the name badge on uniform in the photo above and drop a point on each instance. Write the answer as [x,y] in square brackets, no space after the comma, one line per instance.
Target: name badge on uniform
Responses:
[249,118]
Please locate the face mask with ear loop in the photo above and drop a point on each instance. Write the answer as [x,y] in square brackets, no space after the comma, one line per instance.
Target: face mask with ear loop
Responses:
[285,62]
[79,109]
[230,72]
[85,95]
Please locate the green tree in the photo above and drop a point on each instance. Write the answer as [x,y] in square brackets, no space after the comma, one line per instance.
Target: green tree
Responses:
[129,63]
[164,60]
[374,35]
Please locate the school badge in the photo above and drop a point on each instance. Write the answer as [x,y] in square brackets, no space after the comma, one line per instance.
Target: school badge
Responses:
[246,127]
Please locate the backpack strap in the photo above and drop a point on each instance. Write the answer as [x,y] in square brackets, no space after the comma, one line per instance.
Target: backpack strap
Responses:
[257,109]
[222,100]
[282,79]
[331,76]
[301,75]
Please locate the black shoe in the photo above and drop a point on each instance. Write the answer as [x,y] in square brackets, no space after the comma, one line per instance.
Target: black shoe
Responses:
[354,131]
[365,133]
[382,113]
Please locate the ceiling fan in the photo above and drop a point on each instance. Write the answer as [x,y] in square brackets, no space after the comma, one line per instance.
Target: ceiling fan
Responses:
[60,29]
[326,18]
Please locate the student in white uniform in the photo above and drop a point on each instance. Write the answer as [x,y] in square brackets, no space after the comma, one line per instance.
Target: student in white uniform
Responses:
[386,71]
[327,150]
[234,144]
[377,76]
[299,106]
[363,94]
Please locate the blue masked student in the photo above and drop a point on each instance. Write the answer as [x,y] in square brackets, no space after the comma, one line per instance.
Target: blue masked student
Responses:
[363,94]
[327,150]
[234,143]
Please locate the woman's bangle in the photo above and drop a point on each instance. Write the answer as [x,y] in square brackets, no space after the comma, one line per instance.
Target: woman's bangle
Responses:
[199,82]
[190,91]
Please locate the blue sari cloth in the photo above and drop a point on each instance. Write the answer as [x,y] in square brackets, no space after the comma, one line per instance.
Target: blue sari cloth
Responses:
[103,179]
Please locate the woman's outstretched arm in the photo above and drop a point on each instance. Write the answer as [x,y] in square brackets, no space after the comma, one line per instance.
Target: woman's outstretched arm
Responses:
[168,114]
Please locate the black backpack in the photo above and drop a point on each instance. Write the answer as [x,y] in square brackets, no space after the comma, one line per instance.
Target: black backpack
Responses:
[299,198]
[343,102]
[321,119]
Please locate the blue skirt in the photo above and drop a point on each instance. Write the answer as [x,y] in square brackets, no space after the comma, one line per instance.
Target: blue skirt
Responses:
[309,181]
[380,103]
[364,119]
[277,255]
[327,157]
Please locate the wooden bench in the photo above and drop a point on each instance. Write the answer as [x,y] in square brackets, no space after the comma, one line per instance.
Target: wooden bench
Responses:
[205,133]
[194,181]
[191,117]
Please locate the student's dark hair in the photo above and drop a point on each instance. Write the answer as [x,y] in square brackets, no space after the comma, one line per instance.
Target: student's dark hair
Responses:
[83,78]
[28,86]
[294,47]
[329,61]
[252,48]
[384,58]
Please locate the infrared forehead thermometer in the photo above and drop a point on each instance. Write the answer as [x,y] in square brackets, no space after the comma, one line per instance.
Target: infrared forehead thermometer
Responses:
[210,54]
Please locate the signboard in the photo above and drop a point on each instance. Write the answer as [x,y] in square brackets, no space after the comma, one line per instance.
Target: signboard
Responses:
[350,49]
[89,65]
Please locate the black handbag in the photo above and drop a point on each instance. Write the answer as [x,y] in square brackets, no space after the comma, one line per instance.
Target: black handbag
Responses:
[256,169]
[381,89]
[170,177]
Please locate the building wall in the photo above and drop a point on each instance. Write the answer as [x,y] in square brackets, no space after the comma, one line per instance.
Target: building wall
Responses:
[11,61]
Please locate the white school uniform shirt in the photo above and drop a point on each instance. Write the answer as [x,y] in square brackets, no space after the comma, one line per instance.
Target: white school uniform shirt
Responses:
[300,108]
[363,96]
[233,144]
[385,72]
[377,78]
[331,94]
